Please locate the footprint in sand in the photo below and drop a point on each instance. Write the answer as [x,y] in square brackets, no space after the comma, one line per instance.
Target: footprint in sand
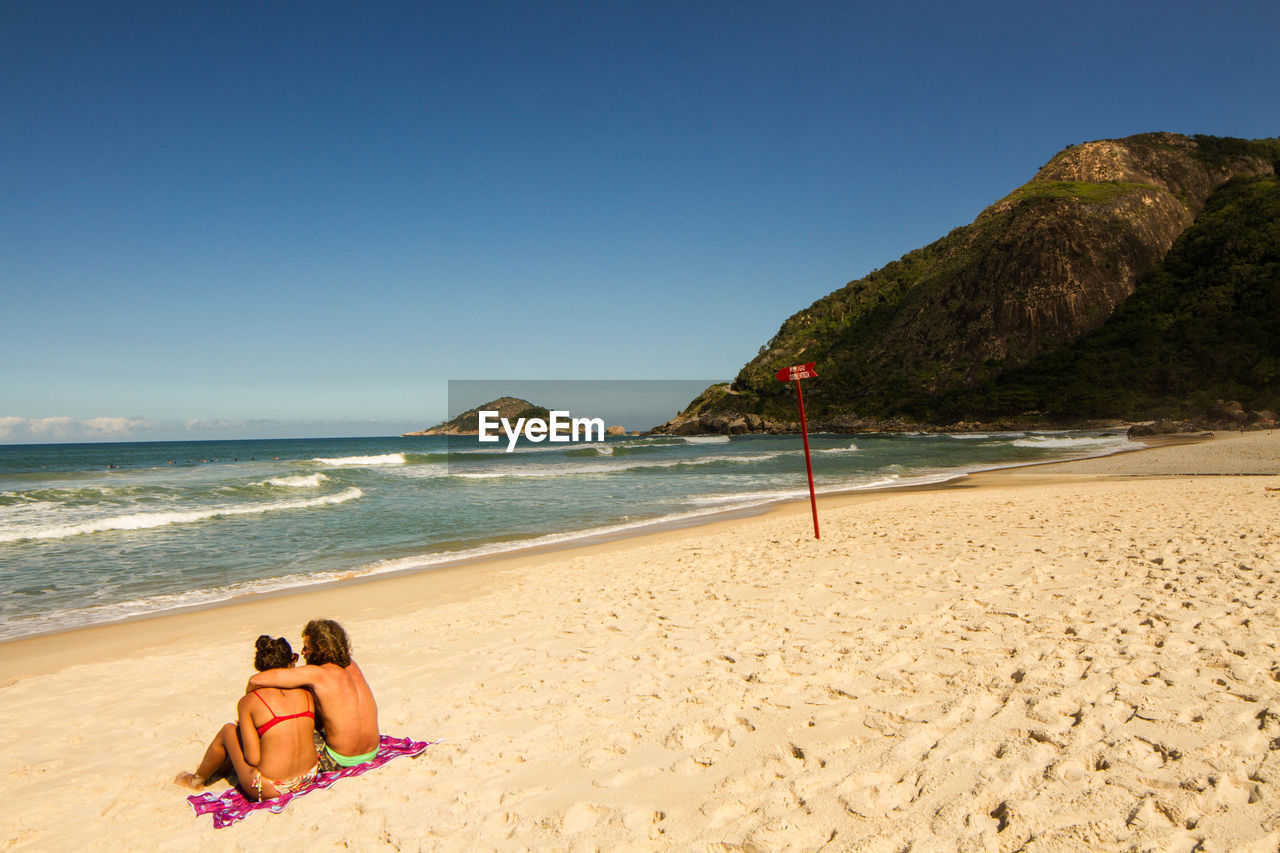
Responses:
[580,817]
[600,756]
[501,825]
[718,816]
[622,778]
[874,793]
[691,736]
[689,766]
[702,741]
[1072,770]
[1152,813]
[638,819]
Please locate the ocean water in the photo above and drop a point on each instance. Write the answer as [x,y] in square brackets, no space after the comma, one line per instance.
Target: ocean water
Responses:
[94,533]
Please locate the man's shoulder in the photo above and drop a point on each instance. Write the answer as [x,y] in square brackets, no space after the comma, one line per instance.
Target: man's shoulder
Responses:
[325,668]
[333,672]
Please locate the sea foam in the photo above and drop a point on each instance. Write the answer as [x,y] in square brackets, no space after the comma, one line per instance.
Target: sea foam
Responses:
[362,461]
[1045,441]
[150,520]
[302,481]
[613,467]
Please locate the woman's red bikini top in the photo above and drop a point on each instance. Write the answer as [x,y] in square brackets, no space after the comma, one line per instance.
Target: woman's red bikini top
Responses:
[275,718]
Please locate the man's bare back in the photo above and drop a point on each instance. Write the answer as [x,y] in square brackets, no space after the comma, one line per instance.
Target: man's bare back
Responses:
[345,706]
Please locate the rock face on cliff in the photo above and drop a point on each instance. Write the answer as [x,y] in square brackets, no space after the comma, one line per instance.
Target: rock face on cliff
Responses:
[468,423]
[1036,271]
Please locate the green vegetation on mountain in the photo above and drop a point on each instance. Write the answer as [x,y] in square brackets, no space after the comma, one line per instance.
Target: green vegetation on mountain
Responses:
[1205,326]
[1128,278]
[1075,190]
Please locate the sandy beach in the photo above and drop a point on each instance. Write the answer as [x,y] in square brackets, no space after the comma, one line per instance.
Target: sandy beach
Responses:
[1055,658]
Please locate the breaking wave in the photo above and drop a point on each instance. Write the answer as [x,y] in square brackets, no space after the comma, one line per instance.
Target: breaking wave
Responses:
[1058,442]
[150,520]
[852,448]
[362,461]
[613,467]
[303,481]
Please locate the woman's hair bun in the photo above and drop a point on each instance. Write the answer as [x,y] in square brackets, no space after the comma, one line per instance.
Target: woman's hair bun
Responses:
[272,653]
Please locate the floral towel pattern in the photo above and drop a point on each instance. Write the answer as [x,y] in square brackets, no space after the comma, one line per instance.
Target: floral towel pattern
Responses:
[231,805]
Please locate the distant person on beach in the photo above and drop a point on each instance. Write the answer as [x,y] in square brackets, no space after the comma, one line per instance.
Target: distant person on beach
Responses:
[270,750]
[345,707]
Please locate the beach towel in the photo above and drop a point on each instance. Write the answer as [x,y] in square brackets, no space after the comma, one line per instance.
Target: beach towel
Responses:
[231,805]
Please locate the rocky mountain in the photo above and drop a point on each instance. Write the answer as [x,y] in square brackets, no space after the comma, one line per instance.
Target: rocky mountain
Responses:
[994,320]
[468,423]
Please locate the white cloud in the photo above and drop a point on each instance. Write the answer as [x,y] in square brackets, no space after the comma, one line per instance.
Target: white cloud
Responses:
[10,427]
[114,426]
[198,425]
[61,428]
[20,430]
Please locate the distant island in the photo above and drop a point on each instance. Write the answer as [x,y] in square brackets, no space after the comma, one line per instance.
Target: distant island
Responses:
[510,408]
[468,423]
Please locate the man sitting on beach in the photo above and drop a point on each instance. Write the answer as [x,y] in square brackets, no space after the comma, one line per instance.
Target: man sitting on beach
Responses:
[344,702]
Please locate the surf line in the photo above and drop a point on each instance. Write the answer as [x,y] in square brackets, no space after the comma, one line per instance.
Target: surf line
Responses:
[560,428]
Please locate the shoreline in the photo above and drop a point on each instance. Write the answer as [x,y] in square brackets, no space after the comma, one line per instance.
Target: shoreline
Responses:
[568,542]
[449,580]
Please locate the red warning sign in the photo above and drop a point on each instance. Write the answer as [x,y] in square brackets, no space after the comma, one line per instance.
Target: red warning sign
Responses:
[798,371]
[794,374]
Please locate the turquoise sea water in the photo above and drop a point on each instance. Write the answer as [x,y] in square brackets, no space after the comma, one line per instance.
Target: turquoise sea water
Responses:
[94,533]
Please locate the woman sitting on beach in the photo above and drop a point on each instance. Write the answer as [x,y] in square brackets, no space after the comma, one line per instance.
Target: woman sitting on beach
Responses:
[270,750]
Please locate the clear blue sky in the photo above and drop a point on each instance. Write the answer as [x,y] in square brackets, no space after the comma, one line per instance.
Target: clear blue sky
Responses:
[241,219]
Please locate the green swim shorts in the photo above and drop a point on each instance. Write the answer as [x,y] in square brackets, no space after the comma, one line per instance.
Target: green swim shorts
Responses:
[350,760]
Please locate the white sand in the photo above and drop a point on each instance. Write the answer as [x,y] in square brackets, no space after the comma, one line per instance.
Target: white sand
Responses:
[1057,658]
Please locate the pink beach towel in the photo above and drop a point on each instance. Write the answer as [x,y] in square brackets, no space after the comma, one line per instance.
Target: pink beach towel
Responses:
[231,805]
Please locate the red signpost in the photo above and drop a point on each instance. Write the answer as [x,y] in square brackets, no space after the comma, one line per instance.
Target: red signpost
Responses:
[795,374]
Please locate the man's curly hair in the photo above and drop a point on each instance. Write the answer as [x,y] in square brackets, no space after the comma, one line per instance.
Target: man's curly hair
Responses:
[327,643]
